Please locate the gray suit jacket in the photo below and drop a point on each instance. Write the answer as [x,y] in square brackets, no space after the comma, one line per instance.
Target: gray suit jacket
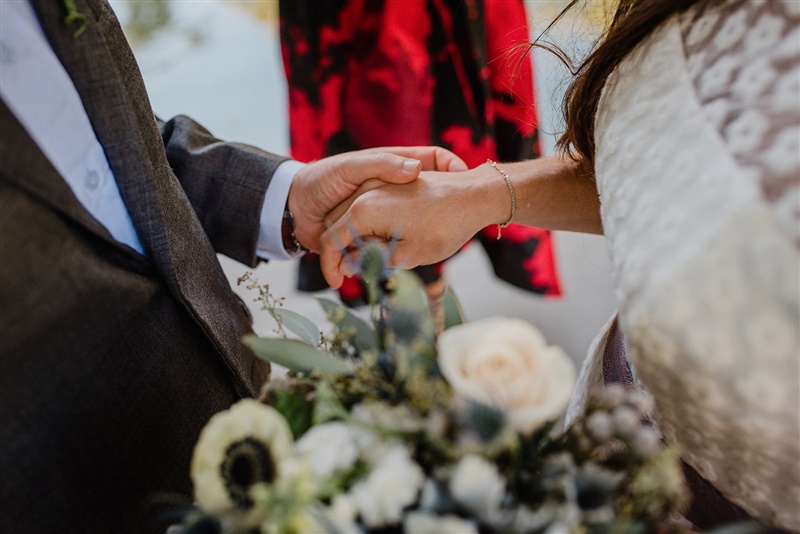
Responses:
[110,362]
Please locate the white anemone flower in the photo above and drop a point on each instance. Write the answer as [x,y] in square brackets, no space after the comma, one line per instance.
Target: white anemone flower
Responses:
[239,449]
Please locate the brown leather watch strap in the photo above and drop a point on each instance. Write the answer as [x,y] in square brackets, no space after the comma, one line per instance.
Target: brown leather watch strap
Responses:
[290,242]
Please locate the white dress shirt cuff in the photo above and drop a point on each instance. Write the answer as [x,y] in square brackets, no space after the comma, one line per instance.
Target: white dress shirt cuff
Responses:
[270,239]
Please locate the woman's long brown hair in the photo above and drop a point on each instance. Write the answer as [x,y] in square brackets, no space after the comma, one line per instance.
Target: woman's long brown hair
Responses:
[632,22]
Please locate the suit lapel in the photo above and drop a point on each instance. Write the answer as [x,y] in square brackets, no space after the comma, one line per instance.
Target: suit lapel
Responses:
[93,71]
[105,74]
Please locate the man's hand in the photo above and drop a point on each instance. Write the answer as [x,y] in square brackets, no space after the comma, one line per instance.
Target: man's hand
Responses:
[321,186]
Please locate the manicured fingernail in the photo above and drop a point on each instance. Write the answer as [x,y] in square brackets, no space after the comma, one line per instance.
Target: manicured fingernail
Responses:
[410,164]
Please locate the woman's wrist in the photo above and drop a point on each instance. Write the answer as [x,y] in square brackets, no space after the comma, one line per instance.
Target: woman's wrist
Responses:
[556,193]
[492,195]
[496,166]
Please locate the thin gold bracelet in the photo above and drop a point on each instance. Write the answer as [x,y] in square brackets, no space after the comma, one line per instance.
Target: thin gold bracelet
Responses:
[513,196]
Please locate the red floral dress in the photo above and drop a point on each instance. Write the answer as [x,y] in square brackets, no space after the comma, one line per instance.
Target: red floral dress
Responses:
[453,73]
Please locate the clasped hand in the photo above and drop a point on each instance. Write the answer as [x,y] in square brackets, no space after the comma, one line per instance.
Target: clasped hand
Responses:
[378,194]
[430,210]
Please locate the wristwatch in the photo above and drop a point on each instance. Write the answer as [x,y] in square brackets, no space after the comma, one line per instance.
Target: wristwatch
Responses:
[290,242]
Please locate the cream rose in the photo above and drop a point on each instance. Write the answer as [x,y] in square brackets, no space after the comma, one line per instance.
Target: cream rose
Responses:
[506,363]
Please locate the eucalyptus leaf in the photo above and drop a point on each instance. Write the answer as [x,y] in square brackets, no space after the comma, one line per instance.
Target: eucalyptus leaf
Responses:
[408,293]
[365,338]
[296,355]
[453,315]
[303,327]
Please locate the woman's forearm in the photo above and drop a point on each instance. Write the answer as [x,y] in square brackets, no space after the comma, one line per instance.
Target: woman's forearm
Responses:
[556,193]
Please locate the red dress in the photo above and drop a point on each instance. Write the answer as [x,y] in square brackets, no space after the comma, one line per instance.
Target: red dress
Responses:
[453,73]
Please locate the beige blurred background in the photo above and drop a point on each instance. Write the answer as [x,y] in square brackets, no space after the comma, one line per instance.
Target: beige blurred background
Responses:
[219,62]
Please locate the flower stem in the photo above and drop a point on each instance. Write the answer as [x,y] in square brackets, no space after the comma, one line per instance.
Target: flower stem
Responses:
[74,15]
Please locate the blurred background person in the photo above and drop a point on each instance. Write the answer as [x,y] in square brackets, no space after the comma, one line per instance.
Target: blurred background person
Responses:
[412,72]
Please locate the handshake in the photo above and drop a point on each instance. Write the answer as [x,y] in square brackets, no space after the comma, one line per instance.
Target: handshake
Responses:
[411,194]
[428,200]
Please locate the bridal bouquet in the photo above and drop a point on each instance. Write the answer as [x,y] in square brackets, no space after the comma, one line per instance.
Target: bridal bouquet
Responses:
[381,427]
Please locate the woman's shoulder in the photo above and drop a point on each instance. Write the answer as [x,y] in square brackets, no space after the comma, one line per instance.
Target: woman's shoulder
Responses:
[698,169]
[732,70]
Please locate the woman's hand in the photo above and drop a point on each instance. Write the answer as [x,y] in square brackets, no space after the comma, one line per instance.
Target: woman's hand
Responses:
[431,218]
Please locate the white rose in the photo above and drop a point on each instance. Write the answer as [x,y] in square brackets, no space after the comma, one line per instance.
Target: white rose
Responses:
[506,363]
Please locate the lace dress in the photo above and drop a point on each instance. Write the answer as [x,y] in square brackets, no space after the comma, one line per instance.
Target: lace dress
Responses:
[698,171]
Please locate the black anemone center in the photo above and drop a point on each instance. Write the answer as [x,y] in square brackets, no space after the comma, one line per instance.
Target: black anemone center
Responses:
[246,462]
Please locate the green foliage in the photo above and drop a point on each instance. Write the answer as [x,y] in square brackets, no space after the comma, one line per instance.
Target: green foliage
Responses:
[327,406]
[295,406]
[360,334]
[298,324]
[340,482]
[453,315]
[406,292]
[296,355]
[407,327]
[425,392]
[657,488]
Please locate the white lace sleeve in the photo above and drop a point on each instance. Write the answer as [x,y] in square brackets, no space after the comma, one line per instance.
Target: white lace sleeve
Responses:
[698,170]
